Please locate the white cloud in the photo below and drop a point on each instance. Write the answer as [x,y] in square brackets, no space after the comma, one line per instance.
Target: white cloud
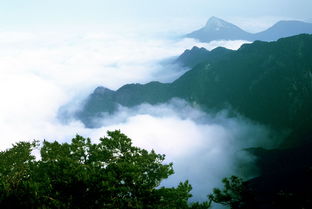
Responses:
[234,45]
[41,71]
[204,148]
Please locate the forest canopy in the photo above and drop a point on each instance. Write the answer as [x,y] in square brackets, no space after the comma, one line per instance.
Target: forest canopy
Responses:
[110,174]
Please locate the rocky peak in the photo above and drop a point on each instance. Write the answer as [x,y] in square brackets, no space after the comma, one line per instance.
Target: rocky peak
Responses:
[216,23]
[102,90]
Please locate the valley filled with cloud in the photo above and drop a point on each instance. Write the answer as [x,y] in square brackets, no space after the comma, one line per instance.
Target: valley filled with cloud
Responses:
[44,71]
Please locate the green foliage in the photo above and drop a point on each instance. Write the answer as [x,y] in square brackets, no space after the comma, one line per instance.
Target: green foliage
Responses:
[285,190]
[15,165]
[110,174]
[234,194]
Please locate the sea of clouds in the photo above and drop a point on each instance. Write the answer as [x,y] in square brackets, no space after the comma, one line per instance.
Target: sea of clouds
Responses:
[42,71]
[203,147]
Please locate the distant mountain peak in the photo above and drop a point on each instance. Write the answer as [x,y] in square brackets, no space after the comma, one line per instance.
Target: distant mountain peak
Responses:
[282,22]
[102,90]
[217,24]
[218,29]
[215,21]
[196,48]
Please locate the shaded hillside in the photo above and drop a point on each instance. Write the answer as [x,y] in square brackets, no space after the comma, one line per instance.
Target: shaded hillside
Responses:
[103,100]
[218,29]
[286,177]
[268,82]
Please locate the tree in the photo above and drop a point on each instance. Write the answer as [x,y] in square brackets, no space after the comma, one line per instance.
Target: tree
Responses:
[110,174]
[235,194]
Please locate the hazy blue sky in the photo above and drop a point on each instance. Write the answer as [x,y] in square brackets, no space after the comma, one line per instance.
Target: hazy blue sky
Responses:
[21,12]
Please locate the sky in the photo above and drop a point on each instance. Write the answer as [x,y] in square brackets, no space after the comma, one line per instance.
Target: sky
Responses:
[46,13]
[53,53]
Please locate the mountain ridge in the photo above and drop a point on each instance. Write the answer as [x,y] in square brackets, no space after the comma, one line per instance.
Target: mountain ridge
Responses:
[267,82]
[218,29]
[191,57]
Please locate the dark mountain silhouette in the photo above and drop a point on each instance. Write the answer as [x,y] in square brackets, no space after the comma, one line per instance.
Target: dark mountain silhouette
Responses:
[286,177]
[268,82]
[218,29]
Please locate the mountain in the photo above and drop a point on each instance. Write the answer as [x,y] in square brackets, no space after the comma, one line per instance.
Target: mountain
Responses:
[218,29]
[284,29]
[309,20]
[267,82]
[190,58]
[286,178]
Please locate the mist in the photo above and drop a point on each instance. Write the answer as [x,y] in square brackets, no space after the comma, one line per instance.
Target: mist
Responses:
[42,71]
[203,147]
